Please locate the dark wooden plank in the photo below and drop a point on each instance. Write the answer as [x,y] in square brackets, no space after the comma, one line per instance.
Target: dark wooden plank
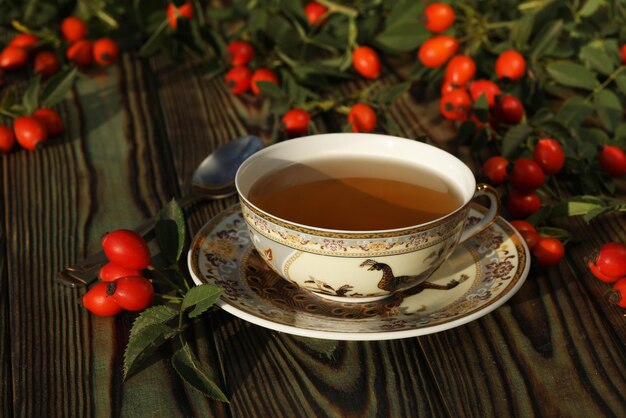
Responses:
[6,387]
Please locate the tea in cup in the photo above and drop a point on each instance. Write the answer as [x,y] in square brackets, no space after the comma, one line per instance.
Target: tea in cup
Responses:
[357,217]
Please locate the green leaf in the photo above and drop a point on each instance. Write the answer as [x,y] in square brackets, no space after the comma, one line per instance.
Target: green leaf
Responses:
[170,231]
[386,96]
[188,367]
[572,74]
[403,10]
[573,111]
[546,39]
[620,81]
[142,344]
[30,100]
[589,8]
[522,30]
[271,90]
[57,87]
[155,41]
[157,314]
[481,108]
[514,137]
[597,59]
[593,213]
[609,108]
[402,37]
[201,297]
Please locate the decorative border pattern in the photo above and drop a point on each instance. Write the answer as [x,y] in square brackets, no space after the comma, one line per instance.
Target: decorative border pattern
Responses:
[355,244]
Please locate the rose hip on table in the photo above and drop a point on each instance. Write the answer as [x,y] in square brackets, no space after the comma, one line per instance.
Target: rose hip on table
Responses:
[127,249]
[436,51]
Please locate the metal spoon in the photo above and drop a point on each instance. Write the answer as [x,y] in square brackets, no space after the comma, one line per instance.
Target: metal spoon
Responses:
[213,179]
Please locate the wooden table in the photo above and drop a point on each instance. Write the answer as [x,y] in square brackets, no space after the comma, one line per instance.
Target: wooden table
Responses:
[134,133]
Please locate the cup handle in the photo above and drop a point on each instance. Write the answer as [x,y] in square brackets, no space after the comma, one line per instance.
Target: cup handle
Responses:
[483,189]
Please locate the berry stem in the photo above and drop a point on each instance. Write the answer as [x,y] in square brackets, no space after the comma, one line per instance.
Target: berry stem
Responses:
[338,8]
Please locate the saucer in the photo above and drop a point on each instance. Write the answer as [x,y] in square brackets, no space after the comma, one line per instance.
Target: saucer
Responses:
[480,275]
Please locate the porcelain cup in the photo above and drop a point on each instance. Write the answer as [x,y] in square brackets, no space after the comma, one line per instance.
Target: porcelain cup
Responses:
[360,266]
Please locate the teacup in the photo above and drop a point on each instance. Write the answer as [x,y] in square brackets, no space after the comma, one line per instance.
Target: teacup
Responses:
[364,264]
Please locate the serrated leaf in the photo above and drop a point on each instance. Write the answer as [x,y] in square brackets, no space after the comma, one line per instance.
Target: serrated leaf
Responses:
[143,344]
[514,137]
[188,367]
[57,87]
[387,96]
[157,314]
[589,216]
[573,208]
[572,74]
[170,231]
[30,100]
[609,108]
[201,297]
[597,59]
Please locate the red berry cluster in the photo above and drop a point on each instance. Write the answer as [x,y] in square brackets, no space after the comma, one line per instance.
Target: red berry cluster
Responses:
[83,51]
[547,251]
[30,131]
[123,285]
[609,265]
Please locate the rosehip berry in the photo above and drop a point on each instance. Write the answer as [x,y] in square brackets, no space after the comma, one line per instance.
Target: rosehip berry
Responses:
[73,28]
[29,132]
[455,105]
[80,53]
[617,294]
[111,271]
[460,70]
[133,293]
[24,40]
[548,153]
[174,13]
[531,238]
[523,226]
[510,64]
[548,251]
[238,79]
[448,87]
[613,160]
[366,62]
[127,249]
[296,121]
[46,63]
[611,260]
[13,57]
[495,169]
[622,52]
[488,88]
[262,74]
[7,140]
[105,51]
[50,120]
[438,17]
[599,275]
[240,53]
[522,204]
[526,175]
[362,117]
[434,52]
[315,12]
[509,109]
[98,302]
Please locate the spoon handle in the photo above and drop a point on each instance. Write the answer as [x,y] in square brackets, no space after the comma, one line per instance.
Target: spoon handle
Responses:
[85,271]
